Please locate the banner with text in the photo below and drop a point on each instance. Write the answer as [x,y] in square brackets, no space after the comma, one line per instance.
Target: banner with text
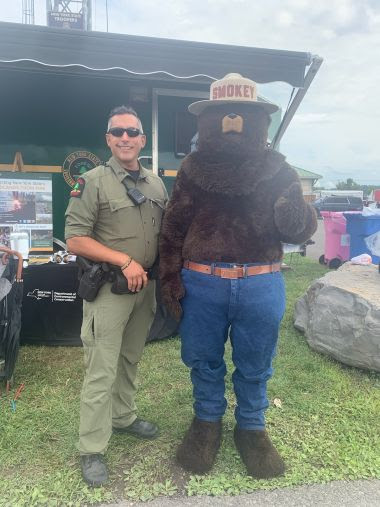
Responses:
[26,206]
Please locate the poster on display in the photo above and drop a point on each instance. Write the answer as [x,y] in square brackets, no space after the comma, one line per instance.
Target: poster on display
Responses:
[26,206]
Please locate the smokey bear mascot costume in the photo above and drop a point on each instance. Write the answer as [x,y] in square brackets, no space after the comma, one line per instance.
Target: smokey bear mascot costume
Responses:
[233,203]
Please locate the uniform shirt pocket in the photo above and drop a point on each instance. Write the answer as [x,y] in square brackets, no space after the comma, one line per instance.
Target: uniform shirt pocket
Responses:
[121,217]
[158,208]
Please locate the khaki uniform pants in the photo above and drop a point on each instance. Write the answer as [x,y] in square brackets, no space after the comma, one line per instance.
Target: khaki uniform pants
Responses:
[114,330]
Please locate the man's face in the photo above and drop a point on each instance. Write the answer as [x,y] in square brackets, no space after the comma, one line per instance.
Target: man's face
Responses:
[126,149]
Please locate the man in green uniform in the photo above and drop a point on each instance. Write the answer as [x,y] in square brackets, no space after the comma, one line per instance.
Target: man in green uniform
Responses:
[105,225]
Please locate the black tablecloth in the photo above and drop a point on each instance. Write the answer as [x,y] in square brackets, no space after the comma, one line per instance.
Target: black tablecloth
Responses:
[51,309]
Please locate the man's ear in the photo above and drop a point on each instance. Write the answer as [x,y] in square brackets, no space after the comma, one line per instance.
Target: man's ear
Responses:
[143,141]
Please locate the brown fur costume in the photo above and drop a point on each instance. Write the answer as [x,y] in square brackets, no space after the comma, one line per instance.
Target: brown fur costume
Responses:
[258,453]
[233,201]
[203,438]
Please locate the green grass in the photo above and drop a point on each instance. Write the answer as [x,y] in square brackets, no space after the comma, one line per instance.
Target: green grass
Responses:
[327,428]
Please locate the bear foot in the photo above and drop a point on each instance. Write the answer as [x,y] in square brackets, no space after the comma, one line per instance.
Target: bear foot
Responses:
[258,454]
[199,447]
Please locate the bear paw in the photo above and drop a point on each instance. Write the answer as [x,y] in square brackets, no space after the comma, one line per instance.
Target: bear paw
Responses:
[258,454]
[200,445]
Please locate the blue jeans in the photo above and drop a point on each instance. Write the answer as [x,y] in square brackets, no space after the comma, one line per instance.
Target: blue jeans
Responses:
[249,310]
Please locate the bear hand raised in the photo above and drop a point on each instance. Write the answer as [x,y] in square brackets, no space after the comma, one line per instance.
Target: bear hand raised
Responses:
[291,212]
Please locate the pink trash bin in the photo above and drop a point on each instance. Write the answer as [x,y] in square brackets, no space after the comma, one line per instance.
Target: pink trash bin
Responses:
[337,241]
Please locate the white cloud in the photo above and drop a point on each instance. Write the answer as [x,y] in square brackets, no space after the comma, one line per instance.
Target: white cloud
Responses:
[311,118]
[335,131]
[344,11]
[284,19]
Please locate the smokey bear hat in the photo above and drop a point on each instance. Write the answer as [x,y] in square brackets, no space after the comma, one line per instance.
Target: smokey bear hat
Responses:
[232,89]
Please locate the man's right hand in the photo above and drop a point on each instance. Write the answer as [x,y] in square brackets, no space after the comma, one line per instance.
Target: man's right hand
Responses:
[136,276]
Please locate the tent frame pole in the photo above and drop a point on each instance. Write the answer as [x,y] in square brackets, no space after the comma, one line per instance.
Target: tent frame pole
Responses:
[290,112]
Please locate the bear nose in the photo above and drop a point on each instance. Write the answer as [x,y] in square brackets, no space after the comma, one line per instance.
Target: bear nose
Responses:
[232,115]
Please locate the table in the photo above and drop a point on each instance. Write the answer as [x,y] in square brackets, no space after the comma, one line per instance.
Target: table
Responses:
[51,309]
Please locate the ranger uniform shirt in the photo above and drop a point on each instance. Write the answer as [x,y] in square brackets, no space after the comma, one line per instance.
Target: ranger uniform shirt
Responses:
[104,212]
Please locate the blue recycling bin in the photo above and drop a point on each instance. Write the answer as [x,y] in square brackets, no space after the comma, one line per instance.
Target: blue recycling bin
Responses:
[359,227]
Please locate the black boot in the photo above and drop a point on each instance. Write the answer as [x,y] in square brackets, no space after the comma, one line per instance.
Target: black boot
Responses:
[258,454]
[139,428]
[199,447]
[94,470]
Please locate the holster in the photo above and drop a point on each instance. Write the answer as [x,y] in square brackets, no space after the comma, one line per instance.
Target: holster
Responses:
[119,284]
[93,275]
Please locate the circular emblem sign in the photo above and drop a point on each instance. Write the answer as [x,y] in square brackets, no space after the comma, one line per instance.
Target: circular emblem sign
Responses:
[78,163]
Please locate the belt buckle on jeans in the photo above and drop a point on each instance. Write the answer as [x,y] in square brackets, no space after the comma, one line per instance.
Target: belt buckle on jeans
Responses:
[273,267]
[230,273]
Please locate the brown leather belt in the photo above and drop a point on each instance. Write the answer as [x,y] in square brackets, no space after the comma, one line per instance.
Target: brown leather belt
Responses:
[234,272]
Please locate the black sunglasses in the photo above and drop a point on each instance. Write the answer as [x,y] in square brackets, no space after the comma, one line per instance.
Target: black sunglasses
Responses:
[119,131]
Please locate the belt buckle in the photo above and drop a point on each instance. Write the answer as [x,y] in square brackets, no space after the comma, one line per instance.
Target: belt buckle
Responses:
[273,267]
[230,273]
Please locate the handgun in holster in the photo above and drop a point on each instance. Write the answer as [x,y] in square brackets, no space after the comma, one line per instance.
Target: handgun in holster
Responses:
[93,275]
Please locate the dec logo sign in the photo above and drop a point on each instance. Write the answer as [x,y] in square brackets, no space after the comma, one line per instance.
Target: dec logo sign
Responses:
[78,163]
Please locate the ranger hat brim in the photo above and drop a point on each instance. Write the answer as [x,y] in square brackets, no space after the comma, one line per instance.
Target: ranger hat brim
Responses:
[232,89]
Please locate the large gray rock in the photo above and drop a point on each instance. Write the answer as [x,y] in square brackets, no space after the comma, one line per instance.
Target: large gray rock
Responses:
[340,315]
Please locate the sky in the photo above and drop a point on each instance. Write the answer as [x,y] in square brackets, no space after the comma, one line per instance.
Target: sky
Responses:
[336,130]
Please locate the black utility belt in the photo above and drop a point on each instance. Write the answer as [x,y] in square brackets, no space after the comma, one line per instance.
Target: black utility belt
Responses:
[93,275]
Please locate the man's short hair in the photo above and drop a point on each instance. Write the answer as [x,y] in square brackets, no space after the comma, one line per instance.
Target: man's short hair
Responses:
[123,110]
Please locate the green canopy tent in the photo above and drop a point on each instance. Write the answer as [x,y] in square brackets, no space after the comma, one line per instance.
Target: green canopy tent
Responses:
[57,86]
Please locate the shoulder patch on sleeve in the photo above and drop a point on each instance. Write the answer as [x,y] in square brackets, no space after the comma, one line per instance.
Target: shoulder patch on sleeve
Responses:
[78,188]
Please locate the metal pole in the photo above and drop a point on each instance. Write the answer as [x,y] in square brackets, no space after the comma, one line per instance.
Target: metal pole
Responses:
[313,69]
[28,12]
[48,8]
[89,15]
[107,14]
